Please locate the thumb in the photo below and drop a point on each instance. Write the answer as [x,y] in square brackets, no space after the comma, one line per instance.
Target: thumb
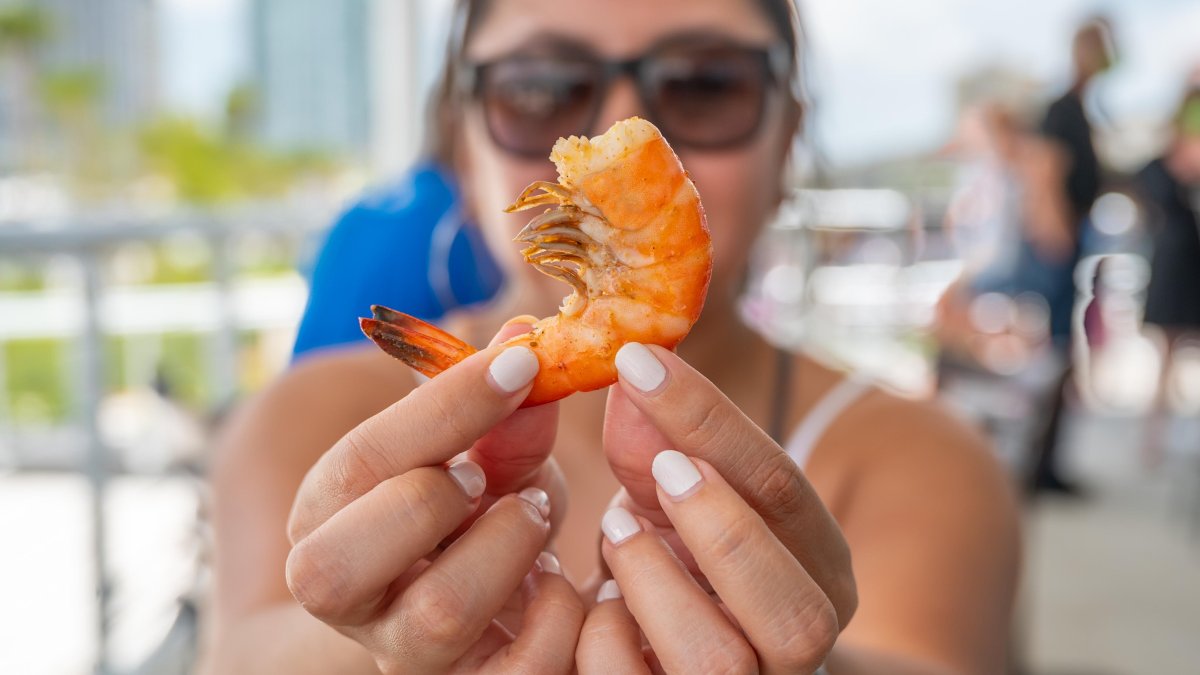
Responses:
[631,442]
[518,325]
[513,451]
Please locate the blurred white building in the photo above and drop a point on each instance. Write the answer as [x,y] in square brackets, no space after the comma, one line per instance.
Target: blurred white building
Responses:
[347,77]
[115,39]
[310,68]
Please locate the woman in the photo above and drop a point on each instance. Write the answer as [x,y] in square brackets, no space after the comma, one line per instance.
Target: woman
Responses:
[332,498]
[1167,187]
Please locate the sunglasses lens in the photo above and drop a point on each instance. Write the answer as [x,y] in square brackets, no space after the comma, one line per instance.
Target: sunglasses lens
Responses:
[707,97]
[529,103]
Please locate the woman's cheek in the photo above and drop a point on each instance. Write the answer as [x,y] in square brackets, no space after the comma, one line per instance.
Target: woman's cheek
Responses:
[738,197]
[493,179]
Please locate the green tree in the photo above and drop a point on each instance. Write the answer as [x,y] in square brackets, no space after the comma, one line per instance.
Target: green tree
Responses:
[207,167]
[23,27]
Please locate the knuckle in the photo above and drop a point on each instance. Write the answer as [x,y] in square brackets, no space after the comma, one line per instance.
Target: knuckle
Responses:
[708,426]
[733,541]
[445,419]
[804,641]
[411,500]
[781,488]
[435,616]
[600,631]
[316,581]
[362,463]
[731,655]
[565,605]
[538,667]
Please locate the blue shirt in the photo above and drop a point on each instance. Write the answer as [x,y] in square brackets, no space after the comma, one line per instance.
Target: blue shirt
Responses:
[405,246]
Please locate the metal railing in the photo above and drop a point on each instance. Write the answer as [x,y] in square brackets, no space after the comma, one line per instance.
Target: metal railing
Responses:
[88,241]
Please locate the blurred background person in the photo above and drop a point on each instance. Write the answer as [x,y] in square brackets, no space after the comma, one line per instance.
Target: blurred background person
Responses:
[1060,225]
[1020,220]
[1169,187]
[985,217]
[989,223]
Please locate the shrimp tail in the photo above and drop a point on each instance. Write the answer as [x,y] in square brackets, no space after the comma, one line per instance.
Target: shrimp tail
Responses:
[426,348]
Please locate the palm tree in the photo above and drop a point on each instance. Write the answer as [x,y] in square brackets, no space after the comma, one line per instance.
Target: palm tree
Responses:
[23,28]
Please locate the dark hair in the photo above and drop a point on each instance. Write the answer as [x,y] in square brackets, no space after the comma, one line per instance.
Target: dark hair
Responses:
[444,105]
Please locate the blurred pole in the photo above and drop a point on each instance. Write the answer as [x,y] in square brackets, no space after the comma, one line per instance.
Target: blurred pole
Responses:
[224,345]
[91,376]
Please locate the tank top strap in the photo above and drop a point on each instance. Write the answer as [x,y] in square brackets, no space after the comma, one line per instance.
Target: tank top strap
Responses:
[832,404]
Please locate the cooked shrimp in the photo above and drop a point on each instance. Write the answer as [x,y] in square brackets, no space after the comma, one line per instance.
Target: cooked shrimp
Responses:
[626,231]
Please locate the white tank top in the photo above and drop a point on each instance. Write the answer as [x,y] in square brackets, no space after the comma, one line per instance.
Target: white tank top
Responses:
[832,404]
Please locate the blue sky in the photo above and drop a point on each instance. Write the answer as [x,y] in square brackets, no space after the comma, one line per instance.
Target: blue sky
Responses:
[204,52]
[883,70]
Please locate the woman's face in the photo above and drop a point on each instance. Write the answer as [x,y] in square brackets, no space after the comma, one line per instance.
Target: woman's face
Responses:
[739,186]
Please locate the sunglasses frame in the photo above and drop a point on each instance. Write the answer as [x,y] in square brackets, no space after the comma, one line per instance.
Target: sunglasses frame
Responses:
[774,59]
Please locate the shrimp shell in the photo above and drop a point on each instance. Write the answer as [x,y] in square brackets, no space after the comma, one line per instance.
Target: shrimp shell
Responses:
[626,231]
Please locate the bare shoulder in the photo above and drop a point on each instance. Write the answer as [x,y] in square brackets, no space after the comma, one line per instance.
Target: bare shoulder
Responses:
[918,443]
[931,519]
[903,429]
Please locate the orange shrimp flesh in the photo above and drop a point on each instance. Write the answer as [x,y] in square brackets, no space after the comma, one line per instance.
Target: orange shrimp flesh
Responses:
[626,230]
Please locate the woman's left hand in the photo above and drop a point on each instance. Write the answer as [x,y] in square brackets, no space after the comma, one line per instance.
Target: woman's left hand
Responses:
[725,510]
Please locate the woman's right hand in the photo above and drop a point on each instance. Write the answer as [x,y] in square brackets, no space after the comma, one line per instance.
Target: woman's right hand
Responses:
[371,519]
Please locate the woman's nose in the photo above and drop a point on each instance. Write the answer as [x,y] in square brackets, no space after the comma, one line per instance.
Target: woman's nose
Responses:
[621,103]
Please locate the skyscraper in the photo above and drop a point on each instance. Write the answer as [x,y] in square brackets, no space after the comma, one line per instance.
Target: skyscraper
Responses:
[310,70]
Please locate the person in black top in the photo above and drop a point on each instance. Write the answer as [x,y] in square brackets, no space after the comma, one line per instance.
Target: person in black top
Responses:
[1059,218]
[1168,189]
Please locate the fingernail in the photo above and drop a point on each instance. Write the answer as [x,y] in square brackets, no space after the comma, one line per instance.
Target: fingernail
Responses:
[539,499]
[619,525]
[469,477]
[675,473]
[639,367]
[514,368]
[546,562]
[609,590]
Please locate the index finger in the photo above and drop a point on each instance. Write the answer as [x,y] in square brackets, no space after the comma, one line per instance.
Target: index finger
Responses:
[698,420]
[433,423]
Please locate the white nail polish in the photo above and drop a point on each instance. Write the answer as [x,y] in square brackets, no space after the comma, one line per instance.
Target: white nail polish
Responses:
[539,499]
[619,525]
[638,366]
[547,562]
[609,590]
[514,368]
[469,477]
[675,473]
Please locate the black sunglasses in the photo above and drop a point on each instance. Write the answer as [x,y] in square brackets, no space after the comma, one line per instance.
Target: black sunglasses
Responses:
[702,93]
